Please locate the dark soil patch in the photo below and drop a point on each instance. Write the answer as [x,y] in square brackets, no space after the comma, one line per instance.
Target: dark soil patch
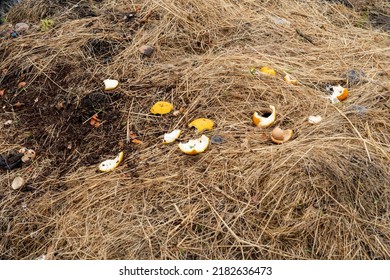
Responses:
[380,20]
[59,127]
[344,2]
[102,49]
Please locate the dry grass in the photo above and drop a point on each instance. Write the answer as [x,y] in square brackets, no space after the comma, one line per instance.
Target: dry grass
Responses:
[323,195]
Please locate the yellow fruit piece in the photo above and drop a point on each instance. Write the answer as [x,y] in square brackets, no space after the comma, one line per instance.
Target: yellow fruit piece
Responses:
[111,164]
[196,146]
[172,136]
[202,124]
[161,108]
[268,71]
[263,120]
[280,136]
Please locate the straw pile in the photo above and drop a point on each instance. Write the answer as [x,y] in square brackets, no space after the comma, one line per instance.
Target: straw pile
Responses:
[323,195]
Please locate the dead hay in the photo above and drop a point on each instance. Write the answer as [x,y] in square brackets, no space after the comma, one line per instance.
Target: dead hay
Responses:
[324,195]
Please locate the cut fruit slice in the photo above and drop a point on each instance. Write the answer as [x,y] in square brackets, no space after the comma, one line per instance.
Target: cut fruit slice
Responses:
[172,136]
[280,136]
[202,124]
[162,108]
[111,164]
[110,84]
[267,70]
[196,146]
[266,119]
[290,80]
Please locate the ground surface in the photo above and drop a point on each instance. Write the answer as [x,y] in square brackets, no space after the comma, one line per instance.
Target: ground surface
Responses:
[323,195]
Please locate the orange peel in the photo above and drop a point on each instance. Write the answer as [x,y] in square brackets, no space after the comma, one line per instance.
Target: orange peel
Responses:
[280,136]
[267,70]
[161,108]
[202,124]
[263,120]
[172,136]
[195,146]
[111,164]
[339,94]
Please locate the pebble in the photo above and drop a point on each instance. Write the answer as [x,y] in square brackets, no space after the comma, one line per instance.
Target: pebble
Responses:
[21,27]
[216,139]
[146,50]
[28,155]
[18,182]
[14,34]
[314,119]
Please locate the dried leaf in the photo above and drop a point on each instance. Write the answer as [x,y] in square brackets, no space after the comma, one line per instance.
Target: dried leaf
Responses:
[95,122]
[136,141]
[133,135]
[22,85]
[18,104]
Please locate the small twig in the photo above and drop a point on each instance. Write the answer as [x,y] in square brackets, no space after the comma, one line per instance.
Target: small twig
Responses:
[304,36]
[128,123]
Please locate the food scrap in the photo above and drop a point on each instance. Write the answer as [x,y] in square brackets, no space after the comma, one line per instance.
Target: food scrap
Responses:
[202,124]
[195,146]
[111,164]
[266,119]
[280,136]
[161,108]
[172,136]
